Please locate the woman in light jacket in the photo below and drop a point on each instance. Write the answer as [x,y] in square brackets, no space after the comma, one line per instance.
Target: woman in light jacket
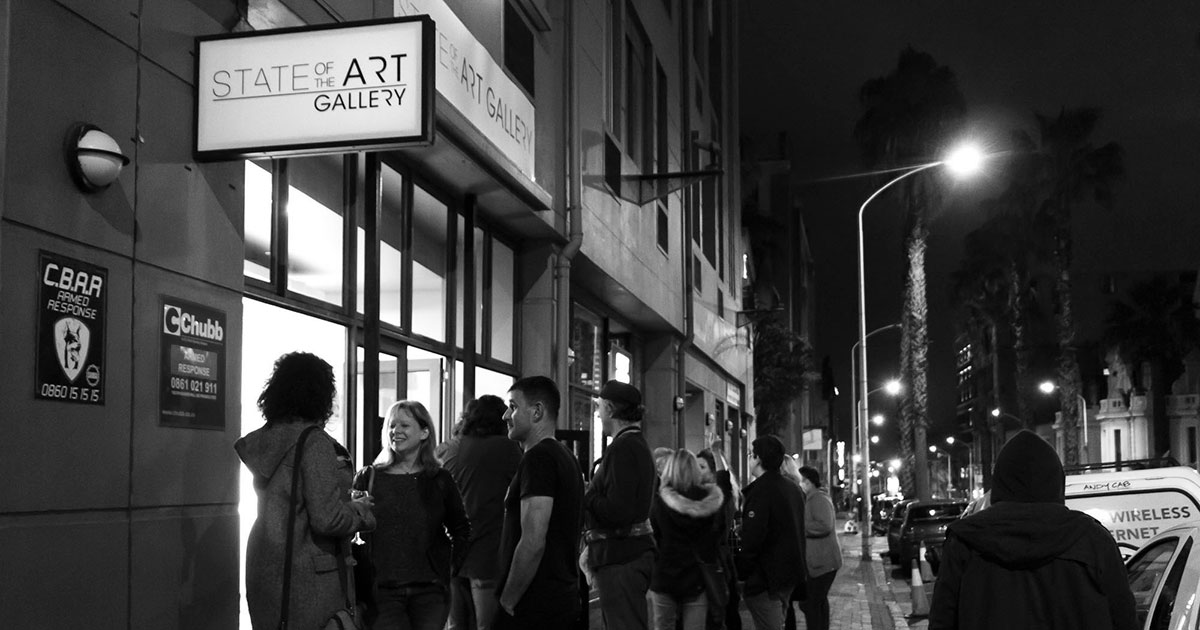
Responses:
[688,523]
[823,556]
[299,395]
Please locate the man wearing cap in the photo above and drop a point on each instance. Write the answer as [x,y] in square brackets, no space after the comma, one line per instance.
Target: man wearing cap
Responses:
[772,556]
[620,545]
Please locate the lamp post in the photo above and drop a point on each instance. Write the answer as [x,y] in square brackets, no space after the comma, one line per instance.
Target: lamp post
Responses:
[854,418]
[963,161]
[1048,387]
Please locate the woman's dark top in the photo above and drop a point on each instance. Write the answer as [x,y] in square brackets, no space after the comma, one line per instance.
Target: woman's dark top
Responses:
[421,527]
[483,468]
[688,527]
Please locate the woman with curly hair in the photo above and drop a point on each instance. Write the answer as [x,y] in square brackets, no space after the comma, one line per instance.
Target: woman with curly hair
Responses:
[297,397]
[422,528]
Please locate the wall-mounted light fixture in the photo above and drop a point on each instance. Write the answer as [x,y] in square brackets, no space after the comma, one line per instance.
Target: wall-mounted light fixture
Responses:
[93,157]
[729,426]
[679,403]
[709,418]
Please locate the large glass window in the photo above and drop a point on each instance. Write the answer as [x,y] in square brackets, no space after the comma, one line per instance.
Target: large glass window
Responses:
[391,264]
[388,393]
[480,290]
[430,224]
[314,228]
[426,375]
[268,333]
[493,383]
[460,282]
[503,277]
[258,220]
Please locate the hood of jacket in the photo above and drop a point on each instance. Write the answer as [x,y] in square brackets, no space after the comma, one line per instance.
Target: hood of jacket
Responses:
[1019,535]
[705,500]
[263,450]
[1028,471]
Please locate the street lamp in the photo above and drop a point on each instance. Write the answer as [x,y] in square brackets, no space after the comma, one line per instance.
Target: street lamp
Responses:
[1048,387]
[878,419]
[961,162]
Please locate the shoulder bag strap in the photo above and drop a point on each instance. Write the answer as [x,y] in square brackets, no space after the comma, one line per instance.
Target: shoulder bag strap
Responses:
[291,529]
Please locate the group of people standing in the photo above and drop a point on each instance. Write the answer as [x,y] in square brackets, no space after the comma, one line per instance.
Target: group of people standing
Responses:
[494,533]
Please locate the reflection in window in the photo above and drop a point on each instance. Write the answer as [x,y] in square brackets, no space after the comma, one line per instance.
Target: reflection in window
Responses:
[258,220]
[430,224]
[1146,571]
[315,227]
[503,272]
[585,350]
[390,262]
[268,333]
[1161,616]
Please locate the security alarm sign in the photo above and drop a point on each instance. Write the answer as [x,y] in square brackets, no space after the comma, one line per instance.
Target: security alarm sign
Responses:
[192,387]
[70,335]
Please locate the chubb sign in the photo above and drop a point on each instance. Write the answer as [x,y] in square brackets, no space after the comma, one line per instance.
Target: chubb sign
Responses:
[324,89]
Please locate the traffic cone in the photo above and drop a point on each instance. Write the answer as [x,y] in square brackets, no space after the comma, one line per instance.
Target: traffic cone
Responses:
[920,602]
[926,569]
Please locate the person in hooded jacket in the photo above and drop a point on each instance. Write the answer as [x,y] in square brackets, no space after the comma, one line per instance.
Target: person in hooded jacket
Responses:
[1028,561]
[299,395]
[688,528]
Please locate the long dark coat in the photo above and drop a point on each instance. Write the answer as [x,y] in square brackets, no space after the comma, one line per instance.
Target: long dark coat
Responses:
[325,519]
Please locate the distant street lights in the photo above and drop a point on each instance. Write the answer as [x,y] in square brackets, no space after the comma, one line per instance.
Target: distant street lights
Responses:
[961,162]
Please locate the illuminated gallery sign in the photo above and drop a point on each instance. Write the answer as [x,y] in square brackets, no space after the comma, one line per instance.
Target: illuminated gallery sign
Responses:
[471,80]
[322,89]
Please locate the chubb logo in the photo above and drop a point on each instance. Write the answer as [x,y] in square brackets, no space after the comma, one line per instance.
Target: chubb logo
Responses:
[178,322]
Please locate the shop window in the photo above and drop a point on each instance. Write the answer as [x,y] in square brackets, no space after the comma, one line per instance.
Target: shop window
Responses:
[492,383]
[257,219]
[430,225]
[460,281]
[503,279]
[388,394]
[663,227]
[518,48]
[481,289]
[391,263]
[426,375]
[269,332]
[585,349]
[314,228]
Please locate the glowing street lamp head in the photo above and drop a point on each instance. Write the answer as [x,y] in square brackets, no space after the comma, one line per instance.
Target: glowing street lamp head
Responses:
[932,448]
[878,420]
[950,439]
[996,412]
[965,160]
[893,387]
[874,439]
[1046,387]
[895,464]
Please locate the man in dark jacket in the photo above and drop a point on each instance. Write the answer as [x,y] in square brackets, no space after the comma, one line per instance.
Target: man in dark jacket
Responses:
[1028,561]
[772,557]
[617,512]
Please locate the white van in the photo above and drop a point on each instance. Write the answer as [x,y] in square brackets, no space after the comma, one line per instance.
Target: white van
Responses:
[1135,505]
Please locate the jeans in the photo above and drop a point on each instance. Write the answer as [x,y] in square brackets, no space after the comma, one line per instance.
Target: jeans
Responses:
[666,608]
[816,605]
[767,608]
[623,593]
[411,607]
[473,604]
[561,620]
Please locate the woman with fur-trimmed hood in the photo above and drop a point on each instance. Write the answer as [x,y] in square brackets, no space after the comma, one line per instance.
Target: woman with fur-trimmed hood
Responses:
[688,526]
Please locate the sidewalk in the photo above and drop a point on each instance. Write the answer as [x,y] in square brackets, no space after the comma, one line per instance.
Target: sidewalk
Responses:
[865,595]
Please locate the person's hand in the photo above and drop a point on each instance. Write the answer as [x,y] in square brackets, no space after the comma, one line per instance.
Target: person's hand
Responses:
[509,607]
[719,457]
[361,497]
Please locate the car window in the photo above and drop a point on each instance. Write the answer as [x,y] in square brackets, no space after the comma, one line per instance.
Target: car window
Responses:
[1161,618]
[935,512]
[1146,571]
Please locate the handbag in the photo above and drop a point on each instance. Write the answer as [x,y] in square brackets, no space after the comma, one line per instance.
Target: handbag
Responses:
[716,583]
[345,619]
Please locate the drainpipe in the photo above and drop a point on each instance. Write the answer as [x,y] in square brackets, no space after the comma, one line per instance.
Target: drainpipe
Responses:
[573,176]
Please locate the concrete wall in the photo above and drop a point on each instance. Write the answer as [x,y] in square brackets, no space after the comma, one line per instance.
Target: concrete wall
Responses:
[110,520]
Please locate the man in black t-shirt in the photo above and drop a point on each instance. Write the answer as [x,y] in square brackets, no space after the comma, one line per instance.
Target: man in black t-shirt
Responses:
[539,580]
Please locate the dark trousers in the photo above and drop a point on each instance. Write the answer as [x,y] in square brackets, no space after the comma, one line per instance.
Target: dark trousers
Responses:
[562,620]
[623,593]
[816,605]
[411,607]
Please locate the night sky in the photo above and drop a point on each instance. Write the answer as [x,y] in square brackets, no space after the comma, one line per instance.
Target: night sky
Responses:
[802,64]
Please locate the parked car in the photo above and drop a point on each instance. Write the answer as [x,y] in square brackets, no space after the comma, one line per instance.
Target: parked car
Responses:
[925,523]
[893,528]
[1137,504]
[1164,576]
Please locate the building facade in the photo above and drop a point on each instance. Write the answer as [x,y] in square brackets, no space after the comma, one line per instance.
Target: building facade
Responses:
[573,215]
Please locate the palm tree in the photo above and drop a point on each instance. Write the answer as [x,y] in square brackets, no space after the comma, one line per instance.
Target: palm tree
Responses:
[907,117]
[1067,170]
[1158,326]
